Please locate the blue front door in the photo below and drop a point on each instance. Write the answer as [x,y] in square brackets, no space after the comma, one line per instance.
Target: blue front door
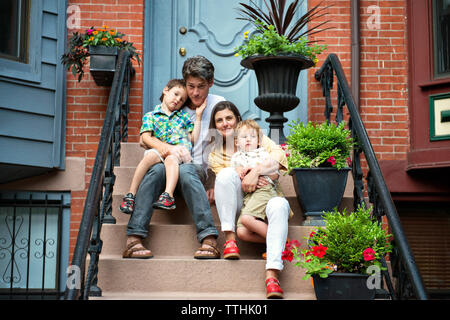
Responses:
[181,29]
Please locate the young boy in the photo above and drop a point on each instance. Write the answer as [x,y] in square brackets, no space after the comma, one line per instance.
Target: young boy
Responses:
[170,124]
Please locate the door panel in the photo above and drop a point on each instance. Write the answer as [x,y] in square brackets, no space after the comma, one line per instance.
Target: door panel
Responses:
[213,31]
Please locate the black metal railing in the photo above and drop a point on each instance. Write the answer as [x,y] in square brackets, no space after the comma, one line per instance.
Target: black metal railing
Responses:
[98,208]
[409,281]
[30,240]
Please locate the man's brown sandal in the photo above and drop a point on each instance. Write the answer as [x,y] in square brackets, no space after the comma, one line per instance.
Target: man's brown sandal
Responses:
[206,252]
[130,251]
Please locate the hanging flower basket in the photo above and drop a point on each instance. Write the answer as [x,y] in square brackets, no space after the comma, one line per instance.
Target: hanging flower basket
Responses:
[103,64]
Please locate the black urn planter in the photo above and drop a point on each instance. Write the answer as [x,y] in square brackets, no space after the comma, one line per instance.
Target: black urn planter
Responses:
[103,64]
[318,190]
[277,78]
[343,286]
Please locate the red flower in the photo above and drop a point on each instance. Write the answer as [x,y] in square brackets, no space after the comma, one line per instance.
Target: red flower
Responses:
[319,251]
[287,255]
[312,233]
[332,160]
[369,254]
[349,161]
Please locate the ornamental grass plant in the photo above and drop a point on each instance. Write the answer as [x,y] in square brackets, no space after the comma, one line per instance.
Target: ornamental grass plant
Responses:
[348,243]
[79,43]
[279,31]
[318,145]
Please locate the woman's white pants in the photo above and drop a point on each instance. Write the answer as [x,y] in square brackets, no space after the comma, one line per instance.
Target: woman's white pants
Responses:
[229,195]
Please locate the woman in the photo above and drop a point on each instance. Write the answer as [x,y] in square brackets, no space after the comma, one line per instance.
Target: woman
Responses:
[229,188]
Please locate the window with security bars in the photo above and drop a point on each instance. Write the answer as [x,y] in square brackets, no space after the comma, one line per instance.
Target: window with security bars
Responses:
[31,244]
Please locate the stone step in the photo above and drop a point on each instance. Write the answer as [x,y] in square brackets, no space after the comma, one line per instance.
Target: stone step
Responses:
[181,240]
[124,175]
[186,274]
[181,214]
[173,273]
[168,295]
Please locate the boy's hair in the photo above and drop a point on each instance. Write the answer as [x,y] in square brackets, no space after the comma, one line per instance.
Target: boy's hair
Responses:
[250,124]
[198,67]
[173,83]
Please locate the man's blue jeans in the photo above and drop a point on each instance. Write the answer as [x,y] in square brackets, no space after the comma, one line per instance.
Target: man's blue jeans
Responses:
[193,192]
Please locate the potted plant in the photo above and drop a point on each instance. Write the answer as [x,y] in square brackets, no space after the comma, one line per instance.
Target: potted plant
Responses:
[319,156]
[343,256]
[278,50]
[102,46]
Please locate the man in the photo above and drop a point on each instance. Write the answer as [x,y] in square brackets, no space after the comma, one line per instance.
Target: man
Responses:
[198,72]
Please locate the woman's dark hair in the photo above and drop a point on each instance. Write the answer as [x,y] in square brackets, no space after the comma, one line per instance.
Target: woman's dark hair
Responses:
[220,106]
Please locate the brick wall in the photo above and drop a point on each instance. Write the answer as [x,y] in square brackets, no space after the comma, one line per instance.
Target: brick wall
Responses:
[86,102]
[383,75]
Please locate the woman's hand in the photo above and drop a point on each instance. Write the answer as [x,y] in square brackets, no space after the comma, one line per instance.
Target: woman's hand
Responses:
[210,194]
[250,181]
[262,182]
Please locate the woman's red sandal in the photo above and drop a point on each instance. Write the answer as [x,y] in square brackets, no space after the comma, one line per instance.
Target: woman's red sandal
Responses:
[232,251]
[273,289]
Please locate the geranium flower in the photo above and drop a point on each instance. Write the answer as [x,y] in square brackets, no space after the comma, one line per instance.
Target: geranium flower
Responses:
[349,161]
[287,255]
[332,160]
[319,251]
[369,254]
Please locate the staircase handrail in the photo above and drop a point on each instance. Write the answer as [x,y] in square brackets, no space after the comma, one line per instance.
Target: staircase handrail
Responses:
[345,97]
[94,213]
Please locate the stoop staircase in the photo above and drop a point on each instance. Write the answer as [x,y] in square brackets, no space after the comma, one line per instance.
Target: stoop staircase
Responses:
[173,273]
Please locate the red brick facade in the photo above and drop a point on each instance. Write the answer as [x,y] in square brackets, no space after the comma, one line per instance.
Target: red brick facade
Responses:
[383,97]
[86,102]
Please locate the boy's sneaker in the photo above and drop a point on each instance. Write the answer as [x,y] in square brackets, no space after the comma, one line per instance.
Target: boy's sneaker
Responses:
[127,205]
[165,202]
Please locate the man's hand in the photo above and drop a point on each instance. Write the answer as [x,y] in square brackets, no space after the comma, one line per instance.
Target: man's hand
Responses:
[181,152]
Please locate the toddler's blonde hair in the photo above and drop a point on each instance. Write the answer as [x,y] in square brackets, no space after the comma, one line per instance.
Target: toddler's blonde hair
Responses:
[250,124]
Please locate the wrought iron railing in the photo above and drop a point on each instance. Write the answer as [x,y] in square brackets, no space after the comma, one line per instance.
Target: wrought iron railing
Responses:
[409,282]
[30,241]
[98,208]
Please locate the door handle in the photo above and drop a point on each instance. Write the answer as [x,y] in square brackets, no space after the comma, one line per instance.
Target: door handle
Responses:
[182,51]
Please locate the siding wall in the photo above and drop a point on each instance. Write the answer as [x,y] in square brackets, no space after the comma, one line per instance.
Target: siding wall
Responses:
[32,97]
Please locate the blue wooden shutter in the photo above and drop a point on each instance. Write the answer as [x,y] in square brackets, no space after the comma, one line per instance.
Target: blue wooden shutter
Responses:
[32,98]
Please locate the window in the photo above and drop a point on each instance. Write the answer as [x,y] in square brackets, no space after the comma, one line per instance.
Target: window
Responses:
[441,38]
[33,244]
[14,25]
